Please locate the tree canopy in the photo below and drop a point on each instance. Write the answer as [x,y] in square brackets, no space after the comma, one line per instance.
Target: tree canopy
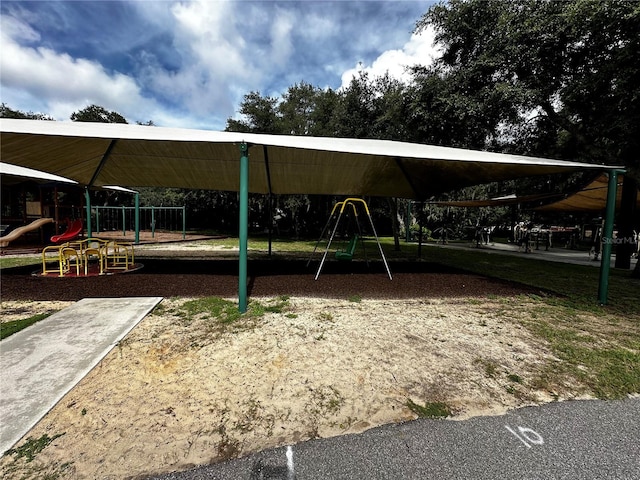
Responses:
[8,112]
[562,78]
[96,113]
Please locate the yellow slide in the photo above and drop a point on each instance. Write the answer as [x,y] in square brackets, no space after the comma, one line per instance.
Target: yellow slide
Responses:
[18,232]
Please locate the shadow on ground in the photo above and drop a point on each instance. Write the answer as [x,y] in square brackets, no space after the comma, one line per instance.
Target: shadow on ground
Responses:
[197,277]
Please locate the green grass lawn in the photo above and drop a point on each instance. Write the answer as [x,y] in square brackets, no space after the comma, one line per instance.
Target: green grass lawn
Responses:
[9,328]
[22,261]
[577,285]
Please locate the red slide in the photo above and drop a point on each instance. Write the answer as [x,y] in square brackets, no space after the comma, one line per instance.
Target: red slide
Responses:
[73,231]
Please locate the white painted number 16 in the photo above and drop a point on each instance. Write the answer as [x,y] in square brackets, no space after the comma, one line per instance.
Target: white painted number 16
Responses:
[527,436]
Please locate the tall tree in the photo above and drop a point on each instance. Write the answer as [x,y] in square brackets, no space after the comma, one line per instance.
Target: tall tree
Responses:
[355,111]
[322,117]
[8,112]
[96,113]
[296,109]
[259,115]
[571,66]
[391,104]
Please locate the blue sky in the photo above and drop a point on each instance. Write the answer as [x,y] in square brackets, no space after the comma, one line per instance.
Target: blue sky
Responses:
[189,63]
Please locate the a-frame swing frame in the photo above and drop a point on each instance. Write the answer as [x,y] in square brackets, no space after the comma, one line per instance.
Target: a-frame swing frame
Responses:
[343,206]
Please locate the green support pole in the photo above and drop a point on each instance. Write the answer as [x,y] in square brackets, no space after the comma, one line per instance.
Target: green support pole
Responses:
[88,207]
[184,222]
[420,229]
[137,218]
[407,223]
[244,227]
[607,237]
[153,221]
[124,221]
[97,221]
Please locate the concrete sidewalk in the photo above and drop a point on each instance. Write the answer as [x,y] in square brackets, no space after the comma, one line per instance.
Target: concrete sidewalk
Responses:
[555,254]
[41,363]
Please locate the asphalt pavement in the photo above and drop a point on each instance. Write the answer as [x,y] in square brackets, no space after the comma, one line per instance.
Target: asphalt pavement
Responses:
[586,439]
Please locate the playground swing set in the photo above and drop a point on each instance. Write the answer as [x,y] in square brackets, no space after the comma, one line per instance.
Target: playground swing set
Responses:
[348,207]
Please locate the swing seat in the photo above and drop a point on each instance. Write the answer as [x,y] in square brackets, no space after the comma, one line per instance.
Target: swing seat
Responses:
[347,254]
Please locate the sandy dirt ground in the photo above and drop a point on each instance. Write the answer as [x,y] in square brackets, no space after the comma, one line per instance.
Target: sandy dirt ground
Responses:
[184,389]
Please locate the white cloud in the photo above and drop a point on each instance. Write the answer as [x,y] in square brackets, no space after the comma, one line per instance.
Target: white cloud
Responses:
[209,55]
[315,26]
[420,50]
[211,51]
[61,83]
[219,61]
[281,44]
[15,28]
[58,84]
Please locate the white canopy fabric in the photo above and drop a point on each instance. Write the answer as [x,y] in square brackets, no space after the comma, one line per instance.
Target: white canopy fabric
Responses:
[18,174]
[98,154]
[13,174]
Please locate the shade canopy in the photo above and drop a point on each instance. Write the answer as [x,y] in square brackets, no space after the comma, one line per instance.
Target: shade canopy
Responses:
[13,174]
[98,154]
[591,198]
[499,201]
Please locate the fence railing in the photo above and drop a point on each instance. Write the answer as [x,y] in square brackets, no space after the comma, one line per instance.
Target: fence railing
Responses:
[172,219]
